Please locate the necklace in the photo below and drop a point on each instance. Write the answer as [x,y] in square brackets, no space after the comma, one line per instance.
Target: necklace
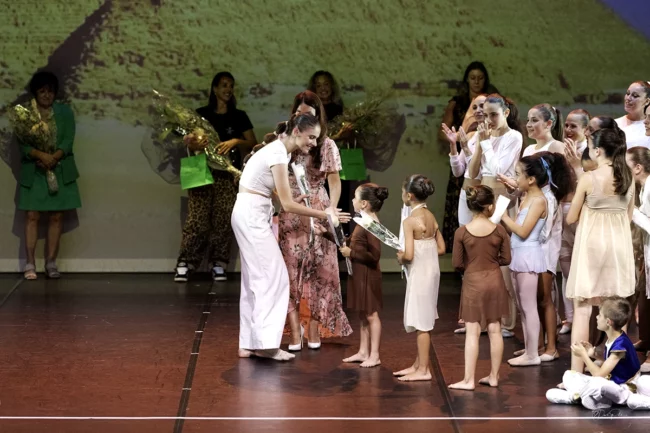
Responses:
[421,205]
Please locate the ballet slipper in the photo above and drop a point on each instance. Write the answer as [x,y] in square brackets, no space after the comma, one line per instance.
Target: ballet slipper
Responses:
[524,361]
[548,358]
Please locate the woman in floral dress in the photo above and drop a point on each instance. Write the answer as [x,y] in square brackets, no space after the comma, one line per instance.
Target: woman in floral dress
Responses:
[312,263]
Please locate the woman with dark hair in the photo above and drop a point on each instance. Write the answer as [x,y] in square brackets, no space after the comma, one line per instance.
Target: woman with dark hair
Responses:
[210,206]
[233,125]
[636,99]
[602,265]
[265,281]
[312,261]
[476,81]
[323,84]
[48,173]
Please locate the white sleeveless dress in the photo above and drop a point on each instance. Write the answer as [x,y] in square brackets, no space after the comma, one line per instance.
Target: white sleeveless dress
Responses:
[421,302]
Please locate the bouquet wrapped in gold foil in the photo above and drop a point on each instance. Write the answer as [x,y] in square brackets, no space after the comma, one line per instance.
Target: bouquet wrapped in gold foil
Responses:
[173,121]
[374,125]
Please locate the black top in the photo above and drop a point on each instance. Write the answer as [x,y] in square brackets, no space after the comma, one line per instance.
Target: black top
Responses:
[229,125]
[332,110]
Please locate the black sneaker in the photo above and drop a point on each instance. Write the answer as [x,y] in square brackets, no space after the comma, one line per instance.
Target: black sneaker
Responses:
[182,272]
[218,273]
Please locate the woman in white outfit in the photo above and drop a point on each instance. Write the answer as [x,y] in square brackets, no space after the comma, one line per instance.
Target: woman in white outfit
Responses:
[264,279]
[636,98]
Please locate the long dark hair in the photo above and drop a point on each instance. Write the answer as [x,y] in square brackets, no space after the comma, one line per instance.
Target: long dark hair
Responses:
[212,99]
[553,168]
[336,90]
[474,66]
[611,142]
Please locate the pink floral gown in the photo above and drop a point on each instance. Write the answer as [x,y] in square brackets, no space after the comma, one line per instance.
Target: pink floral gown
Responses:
[317,280]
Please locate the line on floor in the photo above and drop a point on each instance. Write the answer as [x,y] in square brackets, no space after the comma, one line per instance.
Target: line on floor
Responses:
[191,365]
[230,418]
[11,292]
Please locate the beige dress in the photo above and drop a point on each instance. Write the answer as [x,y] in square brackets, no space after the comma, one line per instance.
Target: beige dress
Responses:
[421,301]
[602,265]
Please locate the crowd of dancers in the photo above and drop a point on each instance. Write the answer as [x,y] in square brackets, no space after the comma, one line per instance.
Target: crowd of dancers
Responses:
[576,200]
[570,201]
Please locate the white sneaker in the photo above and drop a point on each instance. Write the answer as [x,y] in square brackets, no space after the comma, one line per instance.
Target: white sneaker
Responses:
[507,334]
[218,273]
[182,272]
[638,402]
[566,329]
[560,396]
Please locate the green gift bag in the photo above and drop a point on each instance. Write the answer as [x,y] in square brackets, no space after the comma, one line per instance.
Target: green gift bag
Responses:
[353,166]
[195,171]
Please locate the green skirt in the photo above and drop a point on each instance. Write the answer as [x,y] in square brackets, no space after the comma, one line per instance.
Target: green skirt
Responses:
[38,198]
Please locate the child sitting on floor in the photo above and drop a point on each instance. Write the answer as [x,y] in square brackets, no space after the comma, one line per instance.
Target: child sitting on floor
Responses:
[618,380]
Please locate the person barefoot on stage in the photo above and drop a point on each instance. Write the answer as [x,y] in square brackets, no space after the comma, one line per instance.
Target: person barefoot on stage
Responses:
[265,281]
[364,285]
[423,244]
[480,249]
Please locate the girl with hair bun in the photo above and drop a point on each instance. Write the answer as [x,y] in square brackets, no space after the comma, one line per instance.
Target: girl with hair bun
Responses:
[480,249]
[364,285]
[602,265]
[423,244]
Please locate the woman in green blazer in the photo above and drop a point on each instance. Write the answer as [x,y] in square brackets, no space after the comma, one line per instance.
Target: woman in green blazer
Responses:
[48,173]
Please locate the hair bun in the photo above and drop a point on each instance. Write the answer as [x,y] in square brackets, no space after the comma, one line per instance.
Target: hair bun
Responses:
[471,193]
[427,187]
[382,193]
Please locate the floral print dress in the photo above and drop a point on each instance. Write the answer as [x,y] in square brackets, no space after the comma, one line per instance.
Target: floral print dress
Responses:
[313,267]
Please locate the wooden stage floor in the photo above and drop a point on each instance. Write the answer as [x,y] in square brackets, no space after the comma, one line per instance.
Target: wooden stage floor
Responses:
[140,353]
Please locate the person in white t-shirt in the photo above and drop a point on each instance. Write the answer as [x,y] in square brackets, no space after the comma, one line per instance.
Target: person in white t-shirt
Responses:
[264,299]
[636,98]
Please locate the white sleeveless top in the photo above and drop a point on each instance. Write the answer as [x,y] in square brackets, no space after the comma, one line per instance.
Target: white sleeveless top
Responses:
[257,175]
[634,132]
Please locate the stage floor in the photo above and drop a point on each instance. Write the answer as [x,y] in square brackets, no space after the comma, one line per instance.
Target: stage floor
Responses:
[140,353]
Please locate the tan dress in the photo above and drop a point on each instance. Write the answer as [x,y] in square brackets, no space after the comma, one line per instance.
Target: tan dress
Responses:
[602,265]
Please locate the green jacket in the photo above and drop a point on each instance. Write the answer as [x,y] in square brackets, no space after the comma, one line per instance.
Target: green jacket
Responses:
[65,132]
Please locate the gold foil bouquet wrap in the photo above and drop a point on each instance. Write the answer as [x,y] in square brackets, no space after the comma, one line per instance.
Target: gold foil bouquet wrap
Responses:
[173,121]
[375,126]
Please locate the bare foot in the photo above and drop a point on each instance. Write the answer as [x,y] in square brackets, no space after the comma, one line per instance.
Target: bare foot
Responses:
[490,381]
[406,371]
[372,361]
[524,361]
[245,353]
[359,357]
[275,354]
[416,376]
[467,386]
